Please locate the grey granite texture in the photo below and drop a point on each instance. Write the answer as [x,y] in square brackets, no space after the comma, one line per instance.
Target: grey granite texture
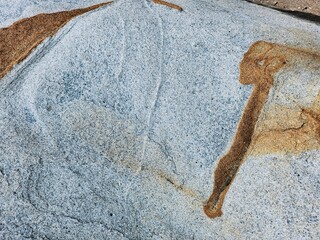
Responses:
[112,128]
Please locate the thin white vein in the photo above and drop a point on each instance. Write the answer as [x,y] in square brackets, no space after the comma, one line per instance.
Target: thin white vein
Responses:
[156,92]
[122,54]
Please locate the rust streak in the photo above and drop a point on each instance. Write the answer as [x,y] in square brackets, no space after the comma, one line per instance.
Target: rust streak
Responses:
[186,190]
[258,67]
[19,39]
[171,5]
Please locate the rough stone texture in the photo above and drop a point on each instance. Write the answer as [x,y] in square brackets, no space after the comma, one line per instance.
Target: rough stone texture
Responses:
[305,6]
[18,40]
[276,117]
[112,128]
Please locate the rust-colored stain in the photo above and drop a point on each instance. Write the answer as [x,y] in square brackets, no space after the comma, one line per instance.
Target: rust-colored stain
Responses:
[302,133]
[171,5]
[180,187]
[18,40]
[287,129]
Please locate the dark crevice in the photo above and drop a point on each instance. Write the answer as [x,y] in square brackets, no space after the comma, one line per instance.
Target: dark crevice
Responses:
[301,15]
[296,14]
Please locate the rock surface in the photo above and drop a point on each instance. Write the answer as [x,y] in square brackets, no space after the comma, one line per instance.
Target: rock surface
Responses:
[11,11]
[305,6]
[112,128]
[18,40]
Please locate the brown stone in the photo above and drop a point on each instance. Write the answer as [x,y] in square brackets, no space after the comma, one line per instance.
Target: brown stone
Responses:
[19,39]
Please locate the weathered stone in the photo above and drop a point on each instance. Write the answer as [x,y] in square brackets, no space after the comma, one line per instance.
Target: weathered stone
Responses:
[112,128]
[304,6]
[18,40]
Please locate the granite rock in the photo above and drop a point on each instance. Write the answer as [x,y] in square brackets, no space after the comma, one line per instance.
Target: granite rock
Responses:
[304,6]
[112,128]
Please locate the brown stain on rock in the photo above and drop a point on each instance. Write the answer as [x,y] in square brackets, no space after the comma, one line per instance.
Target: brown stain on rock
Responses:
[301,133]
[19,39]
[171,5]
[174,183]
[298,130]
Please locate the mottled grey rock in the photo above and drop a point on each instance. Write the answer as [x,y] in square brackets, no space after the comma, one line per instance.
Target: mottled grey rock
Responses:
[112,128]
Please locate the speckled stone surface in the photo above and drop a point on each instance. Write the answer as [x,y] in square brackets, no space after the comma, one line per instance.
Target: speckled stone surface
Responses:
[112,128]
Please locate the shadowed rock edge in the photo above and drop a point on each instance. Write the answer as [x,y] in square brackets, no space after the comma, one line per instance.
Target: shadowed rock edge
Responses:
[310,7]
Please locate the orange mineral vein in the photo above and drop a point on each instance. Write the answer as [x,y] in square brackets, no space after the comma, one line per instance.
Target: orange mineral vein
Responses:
[291,128]
[18,40]
[258,67]
[171,5]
